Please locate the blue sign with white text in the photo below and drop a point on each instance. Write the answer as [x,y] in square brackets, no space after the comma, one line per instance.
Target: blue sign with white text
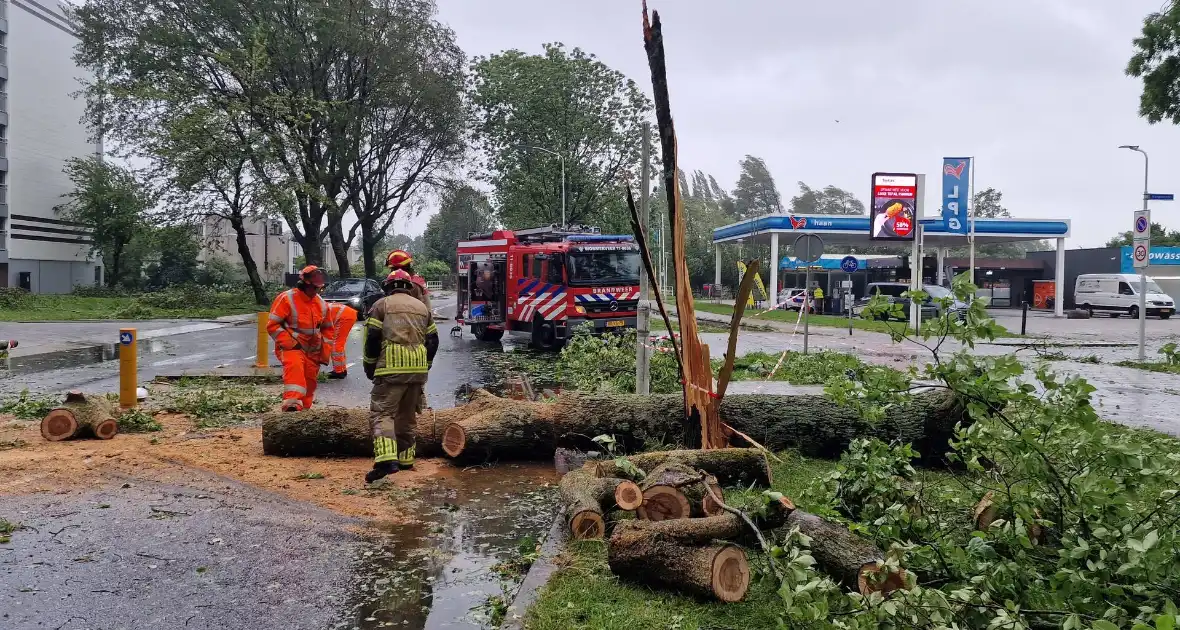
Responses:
[1160,197]
[1157,256]
[956,191]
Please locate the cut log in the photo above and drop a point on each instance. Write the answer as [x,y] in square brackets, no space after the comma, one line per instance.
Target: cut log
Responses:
[729,527]
[587,498]
[80,417]
[844,555]
[491,428]
[985,512]
[718,571]
[673,490]
[731,466]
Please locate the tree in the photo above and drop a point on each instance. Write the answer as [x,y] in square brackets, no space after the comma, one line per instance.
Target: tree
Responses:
[1156,62]
[417,126]
[112,203]
[177,262]
[1160,236]
[829,200]
[435,270]
[988,204]
[756,193]
[567,102]
[463,210]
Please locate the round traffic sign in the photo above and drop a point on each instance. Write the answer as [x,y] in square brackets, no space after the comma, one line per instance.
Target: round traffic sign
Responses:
[808,248]
[1140,253]
[1141,224]
[848,264]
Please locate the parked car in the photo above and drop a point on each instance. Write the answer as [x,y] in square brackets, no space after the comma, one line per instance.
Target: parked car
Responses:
[359,293]
[1118,293]
[793,300]
[893,291]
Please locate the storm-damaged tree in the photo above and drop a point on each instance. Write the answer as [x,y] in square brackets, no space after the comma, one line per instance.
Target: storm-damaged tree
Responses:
[462,210]
[414,129]
[1156,61]
[206,175]
[112,203]
[299,74]
[532,112]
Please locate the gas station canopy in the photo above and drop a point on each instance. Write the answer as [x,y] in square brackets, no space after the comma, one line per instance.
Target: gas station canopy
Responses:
[840,232]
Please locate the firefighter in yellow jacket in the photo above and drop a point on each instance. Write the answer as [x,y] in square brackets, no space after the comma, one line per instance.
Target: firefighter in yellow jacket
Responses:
[401,340]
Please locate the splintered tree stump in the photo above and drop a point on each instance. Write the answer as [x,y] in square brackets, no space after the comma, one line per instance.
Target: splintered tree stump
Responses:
[844,555]
[492,428]
[712,571]
[80,417]
[587,498]
[673,491]
[731,466]
[728,527]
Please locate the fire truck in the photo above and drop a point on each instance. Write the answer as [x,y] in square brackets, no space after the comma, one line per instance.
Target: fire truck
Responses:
[546,282]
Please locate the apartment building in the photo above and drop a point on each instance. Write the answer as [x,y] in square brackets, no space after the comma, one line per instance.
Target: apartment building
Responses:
[40,129]
[268,245]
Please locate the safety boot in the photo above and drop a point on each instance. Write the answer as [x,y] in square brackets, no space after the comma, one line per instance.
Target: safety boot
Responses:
[338,375]
[380,470]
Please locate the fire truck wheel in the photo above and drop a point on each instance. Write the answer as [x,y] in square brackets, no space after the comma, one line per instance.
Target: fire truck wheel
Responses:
[545,334]
[483,333]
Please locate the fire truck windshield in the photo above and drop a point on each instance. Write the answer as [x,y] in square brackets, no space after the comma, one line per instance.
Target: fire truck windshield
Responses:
[604,268]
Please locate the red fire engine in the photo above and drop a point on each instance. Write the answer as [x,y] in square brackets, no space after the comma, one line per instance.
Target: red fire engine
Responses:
[547,281]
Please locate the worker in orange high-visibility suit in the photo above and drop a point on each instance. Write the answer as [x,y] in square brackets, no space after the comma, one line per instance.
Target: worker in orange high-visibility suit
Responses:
[303,337]
[341,317]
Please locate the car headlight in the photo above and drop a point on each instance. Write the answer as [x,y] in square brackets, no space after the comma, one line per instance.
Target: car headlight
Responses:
[580,310]
[355,300]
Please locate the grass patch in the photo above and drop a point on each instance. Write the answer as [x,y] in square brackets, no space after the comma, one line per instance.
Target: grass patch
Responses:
[138,421]
[6,529]
[825,321]
[218,403]
[1151,366]
[27,406]
[196,303]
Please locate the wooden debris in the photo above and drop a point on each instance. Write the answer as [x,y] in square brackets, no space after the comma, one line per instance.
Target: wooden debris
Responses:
[587,498]
[80,417]
[731,466]
[716,571]
[844,555]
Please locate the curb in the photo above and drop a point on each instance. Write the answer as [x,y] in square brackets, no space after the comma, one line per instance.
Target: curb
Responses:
[537,577]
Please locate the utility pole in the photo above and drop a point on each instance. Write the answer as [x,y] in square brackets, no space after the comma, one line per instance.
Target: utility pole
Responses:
[643,320]
[1142,271]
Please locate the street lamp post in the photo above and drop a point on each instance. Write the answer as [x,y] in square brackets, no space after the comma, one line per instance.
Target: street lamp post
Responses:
[561,159]
[1143,275]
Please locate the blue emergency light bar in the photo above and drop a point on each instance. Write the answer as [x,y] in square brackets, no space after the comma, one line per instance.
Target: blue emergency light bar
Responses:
[598,238]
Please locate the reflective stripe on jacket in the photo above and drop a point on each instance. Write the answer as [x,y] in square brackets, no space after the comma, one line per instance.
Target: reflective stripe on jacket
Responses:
[297,320]
[403,323]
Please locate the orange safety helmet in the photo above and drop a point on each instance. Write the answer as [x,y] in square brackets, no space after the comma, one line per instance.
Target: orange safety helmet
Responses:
[399,280]
[314,276]
[398,259]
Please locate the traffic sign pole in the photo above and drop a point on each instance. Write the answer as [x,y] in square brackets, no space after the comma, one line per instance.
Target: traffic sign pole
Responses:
[808,248]
[1141,258]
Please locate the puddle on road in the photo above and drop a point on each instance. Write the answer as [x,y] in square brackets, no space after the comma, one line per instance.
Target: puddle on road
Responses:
[438,572]
[75,357]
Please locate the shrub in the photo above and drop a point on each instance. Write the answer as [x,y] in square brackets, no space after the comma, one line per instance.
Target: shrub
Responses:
[15,298]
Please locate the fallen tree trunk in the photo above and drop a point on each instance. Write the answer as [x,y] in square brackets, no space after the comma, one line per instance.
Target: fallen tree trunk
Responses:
[731,466]
[844,555]
[666,493]
[717,571]
[813,424]
[80,417]
[730,527]
[587,498]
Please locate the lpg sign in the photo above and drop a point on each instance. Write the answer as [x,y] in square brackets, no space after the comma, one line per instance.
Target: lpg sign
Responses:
[894,206]
[956,178]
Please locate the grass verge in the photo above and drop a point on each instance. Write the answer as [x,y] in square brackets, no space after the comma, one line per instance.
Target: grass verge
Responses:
[1151,366]
[39,308]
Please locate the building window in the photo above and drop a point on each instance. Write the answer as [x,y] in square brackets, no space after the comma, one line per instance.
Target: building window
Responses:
[97,276]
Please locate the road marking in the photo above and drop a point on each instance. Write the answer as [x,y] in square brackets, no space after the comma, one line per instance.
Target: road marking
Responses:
[350,365]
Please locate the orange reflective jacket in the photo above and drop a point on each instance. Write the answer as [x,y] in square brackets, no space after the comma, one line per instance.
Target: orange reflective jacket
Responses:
[299,321]
[340,316]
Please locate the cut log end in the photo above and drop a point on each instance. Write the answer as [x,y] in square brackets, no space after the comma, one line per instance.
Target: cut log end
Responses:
[893,581]
[731,574]
[985,512]
[58,425]
[661,503]
[628,496]
[106,429]
[454,439]
[709,505]
[587,525]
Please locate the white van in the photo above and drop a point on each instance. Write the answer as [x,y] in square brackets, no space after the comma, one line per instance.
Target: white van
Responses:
[1118,293]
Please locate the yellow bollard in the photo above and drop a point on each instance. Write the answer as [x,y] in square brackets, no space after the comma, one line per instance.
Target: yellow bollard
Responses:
[261,359]
[128,377]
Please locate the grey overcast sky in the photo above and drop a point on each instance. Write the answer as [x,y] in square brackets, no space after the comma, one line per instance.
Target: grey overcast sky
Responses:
[1034,89]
